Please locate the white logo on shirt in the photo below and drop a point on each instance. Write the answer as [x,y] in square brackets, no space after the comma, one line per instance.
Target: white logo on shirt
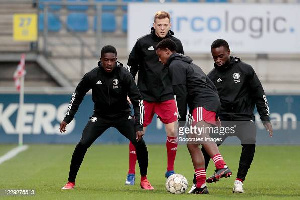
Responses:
[151,48]
[99,82]
[93,119]
[115,83]
[236,77]
[219,80]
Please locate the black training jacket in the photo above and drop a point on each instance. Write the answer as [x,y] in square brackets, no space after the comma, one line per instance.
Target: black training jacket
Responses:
[109,94]
[153,80]
[191,86]
[240,90]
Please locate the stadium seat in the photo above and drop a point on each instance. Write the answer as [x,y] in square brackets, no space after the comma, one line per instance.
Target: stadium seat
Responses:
[77,22]
[124,23]
[107,7]
[54,23]
[108,22]
[52,7]
[129,1]
[216,1]
[77,7]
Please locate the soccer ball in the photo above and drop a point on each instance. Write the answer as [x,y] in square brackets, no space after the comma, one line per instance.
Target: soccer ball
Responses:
[176,184]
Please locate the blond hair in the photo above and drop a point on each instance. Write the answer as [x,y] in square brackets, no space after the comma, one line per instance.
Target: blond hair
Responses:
[161,15]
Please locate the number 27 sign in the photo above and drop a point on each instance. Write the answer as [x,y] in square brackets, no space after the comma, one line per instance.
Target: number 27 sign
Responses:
[25,27]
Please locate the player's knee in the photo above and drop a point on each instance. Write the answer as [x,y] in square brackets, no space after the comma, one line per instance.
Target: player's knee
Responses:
[84,144]
[141,147]
[192,147]
[249,147]
[171,132]
[139,144]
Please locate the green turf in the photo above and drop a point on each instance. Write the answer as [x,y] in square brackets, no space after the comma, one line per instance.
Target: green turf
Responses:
[5,148]
[44,168]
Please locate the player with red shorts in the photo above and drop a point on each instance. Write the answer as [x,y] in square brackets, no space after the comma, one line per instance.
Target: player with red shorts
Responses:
[193,88]
[155,87]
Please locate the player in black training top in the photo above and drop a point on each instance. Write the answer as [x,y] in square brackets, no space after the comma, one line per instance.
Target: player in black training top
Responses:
[193,88]
[240,91]
[155,87]
[110,83]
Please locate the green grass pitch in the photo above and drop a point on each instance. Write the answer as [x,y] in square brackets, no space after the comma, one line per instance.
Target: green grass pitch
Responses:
[274,174]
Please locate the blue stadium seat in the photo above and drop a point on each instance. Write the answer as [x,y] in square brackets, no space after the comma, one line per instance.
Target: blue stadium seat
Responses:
[216,1]
[124,23]
[52,7]
[54,23]
[107,7]
[108,22]
[77,22]
[128,1]
[77,7]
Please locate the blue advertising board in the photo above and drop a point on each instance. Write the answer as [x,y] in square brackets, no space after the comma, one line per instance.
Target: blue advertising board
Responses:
[43,113]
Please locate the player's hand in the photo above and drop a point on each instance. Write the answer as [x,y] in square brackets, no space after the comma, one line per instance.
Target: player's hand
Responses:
[62,127]
[139,135]
[269,128]
[128,99]
[218,122]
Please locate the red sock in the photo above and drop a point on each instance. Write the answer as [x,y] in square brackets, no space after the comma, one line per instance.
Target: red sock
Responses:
[200,177]
[171,144]
[238,179]
[132,159]
[143,178]
[219,161]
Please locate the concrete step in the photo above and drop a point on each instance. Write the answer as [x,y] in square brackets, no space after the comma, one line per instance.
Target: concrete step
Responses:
[8,44]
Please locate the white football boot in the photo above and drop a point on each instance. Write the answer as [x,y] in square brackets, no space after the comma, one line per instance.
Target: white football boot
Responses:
[238,187]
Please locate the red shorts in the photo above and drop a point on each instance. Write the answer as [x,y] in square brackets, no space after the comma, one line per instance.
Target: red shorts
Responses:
[200,114]
[166,111]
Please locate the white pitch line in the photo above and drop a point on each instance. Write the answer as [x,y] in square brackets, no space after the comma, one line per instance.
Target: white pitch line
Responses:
[12,153]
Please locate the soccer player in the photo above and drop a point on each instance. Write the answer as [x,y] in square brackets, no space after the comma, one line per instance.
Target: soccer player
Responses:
[155,87]
[193,88]
[110,83]
[240,90]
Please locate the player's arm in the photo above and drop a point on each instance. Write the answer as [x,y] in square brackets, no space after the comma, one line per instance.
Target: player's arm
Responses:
[261,101]
[82,88]
[181,99]
[137,103]
[134,60]
[177,76]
